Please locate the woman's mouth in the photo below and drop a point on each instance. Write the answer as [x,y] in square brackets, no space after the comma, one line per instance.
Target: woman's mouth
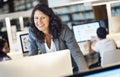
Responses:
[39,26]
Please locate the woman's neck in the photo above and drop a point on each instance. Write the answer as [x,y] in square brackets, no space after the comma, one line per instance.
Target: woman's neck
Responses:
[46,32]
[48,40]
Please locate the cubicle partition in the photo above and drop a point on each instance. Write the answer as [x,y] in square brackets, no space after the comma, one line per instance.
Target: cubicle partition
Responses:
[14,23]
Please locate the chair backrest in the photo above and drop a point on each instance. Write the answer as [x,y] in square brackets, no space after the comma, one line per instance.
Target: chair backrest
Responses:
[115,37]
[110,58]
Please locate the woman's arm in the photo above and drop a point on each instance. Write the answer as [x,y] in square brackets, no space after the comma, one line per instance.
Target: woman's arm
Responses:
[33,46]
[75,49]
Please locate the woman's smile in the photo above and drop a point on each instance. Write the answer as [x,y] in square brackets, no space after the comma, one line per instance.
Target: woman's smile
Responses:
[41,21]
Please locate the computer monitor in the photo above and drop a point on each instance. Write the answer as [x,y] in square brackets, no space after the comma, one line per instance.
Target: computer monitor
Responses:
[54,64]
[84,32]
[24,40]
[111,71]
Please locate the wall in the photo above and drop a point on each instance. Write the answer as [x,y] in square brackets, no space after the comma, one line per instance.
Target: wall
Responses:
[113,21]
[100,12]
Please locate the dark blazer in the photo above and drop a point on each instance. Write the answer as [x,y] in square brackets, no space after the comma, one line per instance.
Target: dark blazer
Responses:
[65,41]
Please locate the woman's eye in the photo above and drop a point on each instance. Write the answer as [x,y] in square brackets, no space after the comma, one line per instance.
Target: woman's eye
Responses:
[35,17]
[43,17]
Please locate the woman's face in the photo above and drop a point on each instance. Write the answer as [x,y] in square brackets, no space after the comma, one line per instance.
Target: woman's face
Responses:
[41,21]
[6,48]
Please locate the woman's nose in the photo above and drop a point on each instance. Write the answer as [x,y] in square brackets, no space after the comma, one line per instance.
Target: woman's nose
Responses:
[39,21]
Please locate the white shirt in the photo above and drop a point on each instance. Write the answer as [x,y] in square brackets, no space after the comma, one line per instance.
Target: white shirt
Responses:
[52,47]
[104,45]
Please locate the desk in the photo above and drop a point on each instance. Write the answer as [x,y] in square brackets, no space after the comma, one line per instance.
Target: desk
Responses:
[84,47]
[16,55]
[90,59]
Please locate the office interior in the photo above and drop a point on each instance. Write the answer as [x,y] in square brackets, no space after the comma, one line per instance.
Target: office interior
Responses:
[15,22]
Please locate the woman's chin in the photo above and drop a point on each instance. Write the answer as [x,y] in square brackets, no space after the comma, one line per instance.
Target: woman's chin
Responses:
[41,29]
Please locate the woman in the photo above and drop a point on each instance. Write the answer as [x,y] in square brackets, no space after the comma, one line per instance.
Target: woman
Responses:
[4,49]
[48,34]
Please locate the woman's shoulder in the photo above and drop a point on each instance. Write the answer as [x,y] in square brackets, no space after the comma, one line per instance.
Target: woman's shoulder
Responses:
[65,31]
[65,27]
[31,33]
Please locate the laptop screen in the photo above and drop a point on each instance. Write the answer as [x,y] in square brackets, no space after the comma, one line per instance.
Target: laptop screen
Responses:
[24,38]
[84,32]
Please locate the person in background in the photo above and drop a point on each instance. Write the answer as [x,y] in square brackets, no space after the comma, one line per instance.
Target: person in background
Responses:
[4,49]
[48,34]
[102,44]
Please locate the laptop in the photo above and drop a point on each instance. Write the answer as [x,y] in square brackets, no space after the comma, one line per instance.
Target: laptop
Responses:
[55,64]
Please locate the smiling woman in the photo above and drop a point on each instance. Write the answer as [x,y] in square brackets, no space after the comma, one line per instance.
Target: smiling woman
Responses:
[41,21]
[47,34]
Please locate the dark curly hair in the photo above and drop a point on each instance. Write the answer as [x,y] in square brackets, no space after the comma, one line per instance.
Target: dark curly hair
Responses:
[54,24]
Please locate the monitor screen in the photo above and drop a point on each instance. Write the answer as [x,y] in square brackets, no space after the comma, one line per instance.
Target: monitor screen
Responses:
[84,32]
[24,39]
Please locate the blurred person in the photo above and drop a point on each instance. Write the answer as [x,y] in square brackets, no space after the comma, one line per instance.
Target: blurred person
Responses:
[4,49]
[47,33]
[101,44]
[3,34]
